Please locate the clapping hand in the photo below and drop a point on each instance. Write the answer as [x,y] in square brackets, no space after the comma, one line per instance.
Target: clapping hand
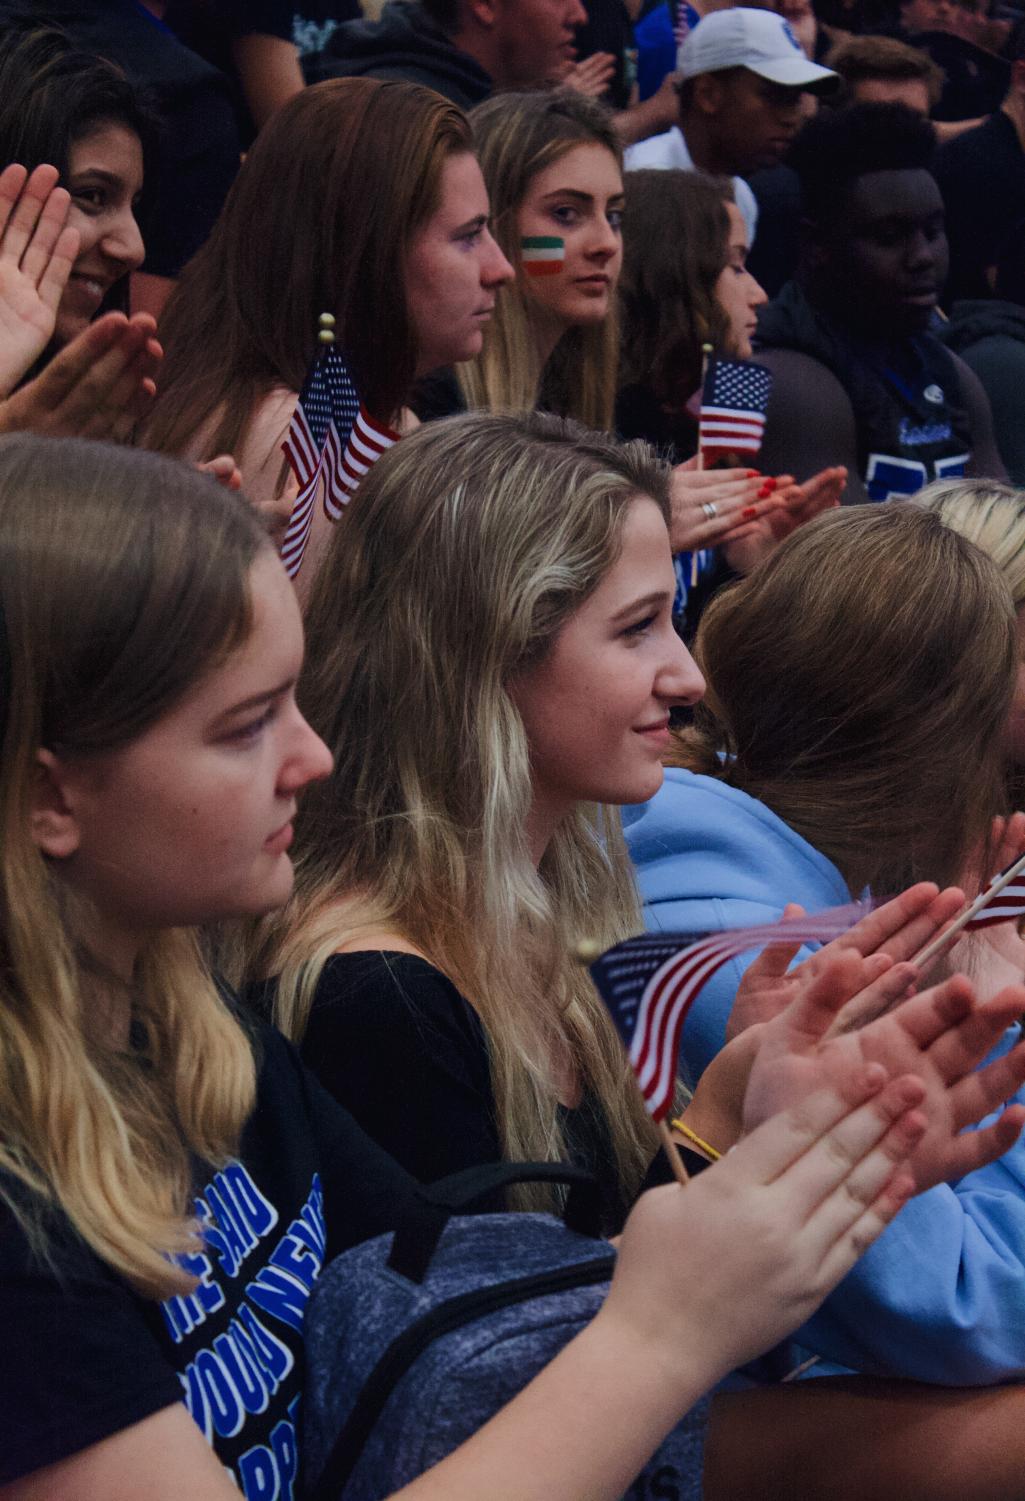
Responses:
[37,253]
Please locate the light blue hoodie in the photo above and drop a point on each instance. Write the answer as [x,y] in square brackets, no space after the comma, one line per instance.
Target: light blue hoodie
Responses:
[941,1296]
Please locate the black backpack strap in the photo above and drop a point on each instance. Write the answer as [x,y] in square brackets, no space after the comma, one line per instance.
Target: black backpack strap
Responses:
[417,1234]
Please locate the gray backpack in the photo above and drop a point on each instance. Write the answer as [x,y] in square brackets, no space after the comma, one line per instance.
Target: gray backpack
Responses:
[414,1340]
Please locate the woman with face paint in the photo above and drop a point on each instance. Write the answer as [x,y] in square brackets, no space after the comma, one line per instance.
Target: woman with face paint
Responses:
[157,1154]
[410,286]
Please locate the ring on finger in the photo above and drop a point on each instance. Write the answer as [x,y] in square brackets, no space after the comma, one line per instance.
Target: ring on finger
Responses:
[710,509]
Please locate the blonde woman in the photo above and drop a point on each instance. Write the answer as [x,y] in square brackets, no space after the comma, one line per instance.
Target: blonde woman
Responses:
[171,1182]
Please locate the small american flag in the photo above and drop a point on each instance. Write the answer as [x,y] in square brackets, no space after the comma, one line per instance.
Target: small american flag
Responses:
[1007,906]
[344,468]
[685,18]
[327,406]
[733,405]
[650,983]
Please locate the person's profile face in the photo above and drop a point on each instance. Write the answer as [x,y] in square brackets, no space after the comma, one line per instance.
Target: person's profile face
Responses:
[454,270]
[885,254]
[536,40]
[756,120]
[928,15]
[190,822]
[736,291]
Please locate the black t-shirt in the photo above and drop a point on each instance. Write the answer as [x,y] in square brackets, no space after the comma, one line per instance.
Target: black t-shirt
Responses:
[394,1041]
[85,1356]
[308,24]
[608,28]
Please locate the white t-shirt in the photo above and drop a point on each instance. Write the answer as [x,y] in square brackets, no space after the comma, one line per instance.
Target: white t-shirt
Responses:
[670,150]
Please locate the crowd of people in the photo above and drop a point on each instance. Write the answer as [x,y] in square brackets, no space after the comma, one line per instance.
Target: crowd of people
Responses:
[298,866]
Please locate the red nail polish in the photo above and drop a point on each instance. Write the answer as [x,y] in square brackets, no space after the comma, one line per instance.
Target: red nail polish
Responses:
[765,492]
[753,473]
[747,514]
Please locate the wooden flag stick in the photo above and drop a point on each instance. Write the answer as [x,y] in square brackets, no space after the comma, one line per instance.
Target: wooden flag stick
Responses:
[706,354]
[982,900]
[672,1151]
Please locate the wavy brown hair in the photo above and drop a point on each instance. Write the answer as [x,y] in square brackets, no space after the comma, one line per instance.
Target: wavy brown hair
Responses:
[471,544]
[123,578]
[858,683]
[320,219]
[676,236]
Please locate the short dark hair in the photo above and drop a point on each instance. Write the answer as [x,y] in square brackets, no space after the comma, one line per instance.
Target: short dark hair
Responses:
[837,147]
[857,58]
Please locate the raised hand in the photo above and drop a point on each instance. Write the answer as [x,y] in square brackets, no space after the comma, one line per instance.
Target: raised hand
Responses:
[37,253]
[745,1253]
[941,1035]
[797,504]
[886,939]
[592,75]
[736,497]
[99,386]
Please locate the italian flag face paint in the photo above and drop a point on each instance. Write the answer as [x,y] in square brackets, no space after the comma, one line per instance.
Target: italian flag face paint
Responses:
[542,255]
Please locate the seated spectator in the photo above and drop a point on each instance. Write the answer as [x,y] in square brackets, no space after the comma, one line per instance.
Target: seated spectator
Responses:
[135,1106]
[462,49]
[552,165]
[742,77]
[411,287]
[859,687]
[198,144]
[686,286]
[982,178]
[859,378]
[883,70]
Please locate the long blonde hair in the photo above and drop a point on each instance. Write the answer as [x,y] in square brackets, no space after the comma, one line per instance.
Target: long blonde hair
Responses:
[469,546]
[123,577]
[516,136]
[859,681]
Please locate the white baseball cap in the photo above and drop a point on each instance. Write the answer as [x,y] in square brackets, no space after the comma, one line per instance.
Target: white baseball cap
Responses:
[746,38]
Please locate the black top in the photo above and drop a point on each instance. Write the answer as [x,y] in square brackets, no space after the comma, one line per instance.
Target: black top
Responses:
[404,43]
[392,1039]
[982,178]
[608,28]
[198,147]
[85,1356]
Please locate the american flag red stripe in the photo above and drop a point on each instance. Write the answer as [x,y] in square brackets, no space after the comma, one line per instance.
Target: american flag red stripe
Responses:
[368,439]
[650,983]
[1007,906]
[734,398]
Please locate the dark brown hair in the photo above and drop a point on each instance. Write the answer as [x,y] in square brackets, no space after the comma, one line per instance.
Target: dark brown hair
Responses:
[675,248]
[320,219]
[857,58]
[858,684]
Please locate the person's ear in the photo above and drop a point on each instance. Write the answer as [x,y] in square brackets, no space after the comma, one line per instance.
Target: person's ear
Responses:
[708,93]
[483,12]
[53,823]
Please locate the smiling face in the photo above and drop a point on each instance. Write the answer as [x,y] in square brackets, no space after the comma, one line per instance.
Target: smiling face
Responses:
[596,707]
[736,291]
[453,270]
[884,256]
[578,199]
[190,822]
[104,179]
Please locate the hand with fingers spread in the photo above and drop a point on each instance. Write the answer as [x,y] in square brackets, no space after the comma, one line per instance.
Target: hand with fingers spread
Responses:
[710,505]
[764,1235]
[592,75]
[887,938]
[37,253]
[797,505]
[98,386]
[941,1035]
